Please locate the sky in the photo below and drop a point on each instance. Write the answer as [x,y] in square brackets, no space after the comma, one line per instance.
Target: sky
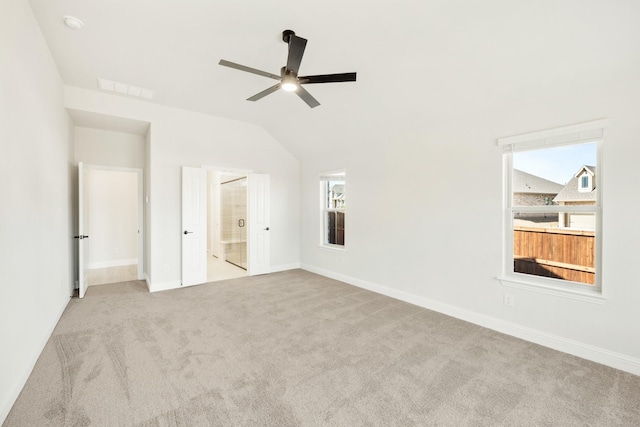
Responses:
[557,164]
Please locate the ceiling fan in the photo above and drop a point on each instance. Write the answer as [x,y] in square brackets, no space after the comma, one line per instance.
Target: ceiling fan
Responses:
[289,80]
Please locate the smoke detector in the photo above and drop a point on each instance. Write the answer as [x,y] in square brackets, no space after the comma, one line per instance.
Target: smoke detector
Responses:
[72,22]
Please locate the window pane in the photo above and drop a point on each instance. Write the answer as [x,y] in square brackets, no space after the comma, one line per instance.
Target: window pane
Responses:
[335,195]
[335,228]
[585,181]
[550,176]
[562,249]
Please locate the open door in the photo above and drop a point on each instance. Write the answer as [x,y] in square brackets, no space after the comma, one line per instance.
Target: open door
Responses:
[83,227]
[259,238]
[194,226]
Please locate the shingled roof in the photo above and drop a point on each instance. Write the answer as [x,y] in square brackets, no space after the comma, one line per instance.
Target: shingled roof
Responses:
[571,193]
[531,184]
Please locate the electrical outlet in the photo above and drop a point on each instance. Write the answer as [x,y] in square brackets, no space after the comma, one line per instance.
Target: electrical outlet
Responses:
[509,300]
[166,268]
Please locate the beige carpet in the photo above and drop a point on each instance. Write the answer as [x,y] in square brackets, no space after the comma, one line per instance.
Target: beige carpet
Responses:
[295,348]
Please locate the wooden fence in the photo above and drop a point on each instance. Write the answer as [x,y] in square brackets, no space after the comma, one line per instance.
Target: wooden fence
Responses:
[555,252]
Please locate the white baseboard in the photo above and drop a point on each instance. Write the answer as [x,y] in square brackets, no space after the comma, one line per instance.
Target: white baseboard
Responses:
[114,263]
[18,386]
[163,286]
[284,267]
[576,348]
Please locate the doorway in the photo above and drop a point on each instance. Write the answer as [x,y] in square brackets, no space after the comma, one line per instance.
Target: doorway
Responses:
[225,231]
[227,219]
[111,202]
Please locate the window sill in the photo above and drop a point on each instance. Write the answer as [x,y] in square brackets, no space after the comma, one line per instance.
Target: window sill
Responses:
[333,248]
[586,295]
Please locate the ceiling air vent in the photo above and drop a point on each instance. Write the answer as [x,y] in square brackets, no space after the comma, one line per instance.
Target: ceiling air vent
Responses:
[125,89]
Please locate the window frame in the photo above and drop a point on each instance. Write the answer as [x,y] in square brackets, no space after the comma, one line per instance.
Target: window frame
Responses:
[324,179]
[589,132]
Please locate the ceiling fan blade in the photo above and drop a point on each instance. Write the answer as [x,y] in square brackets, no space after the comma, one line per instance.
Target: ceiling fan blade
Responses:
[264,93]
[248,69]
[306,97]
[296,50]
[328,78]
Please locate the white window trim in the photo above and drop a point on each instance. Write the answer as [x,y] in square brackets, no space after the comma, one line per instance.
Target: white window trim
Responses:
[323,178]
[593,131]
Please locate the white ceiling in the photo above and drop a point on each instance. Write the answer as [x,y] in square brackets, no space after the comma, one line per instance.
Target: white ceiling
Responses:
[417,61]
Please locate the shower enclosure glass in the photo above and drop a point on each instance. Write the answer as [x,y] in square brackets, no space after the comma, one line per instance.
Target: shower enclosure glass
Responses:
[233,221]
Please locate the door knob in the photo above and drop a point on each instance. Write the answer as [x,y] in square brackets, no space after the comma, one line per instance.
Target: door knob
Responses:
[266,229]
[188,232]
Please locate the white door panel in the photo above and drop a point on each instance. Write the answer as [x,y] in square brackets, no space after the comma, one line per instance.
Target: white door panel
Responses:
[259,232]
[194,228]
[83,227]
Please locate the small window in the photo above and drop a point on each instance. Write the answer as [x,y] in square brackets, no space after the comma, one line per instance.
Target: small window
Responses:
[553,209]
[333,202]
[585,181]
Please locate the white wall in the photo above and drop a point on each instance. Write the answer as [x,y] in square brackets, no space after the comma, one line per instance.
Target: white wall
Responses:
[424,220]
[113,217]
[36,237]
[109,148]
[179,137]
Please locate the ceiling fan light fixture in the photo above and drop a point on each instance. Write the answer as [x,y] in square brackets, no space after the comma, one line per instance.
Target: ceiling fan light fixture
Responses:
[289,86]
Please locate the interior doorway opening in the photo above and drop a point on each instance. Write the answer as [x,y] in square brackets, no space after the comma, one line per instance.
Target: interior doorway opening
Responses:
[202,224]
[111,208]
[227,239]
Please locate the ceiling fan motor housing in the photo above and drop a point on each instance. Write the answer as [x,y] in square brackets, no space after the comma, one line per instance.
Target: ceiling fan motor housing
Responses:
[286,72]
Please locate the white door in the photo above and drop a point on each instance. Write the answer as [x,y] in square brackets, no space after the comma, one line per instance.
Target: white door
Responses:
[259,241]
[83,227]
[194,226]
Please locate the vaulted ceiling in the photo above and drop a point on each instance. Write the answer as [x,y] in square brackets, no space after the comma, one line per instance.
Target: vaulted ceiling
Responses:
[418,62]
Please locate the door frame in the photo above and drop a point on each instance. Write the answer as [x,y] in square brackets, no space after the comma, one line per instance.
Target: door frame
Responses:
[140,183]
[247,173]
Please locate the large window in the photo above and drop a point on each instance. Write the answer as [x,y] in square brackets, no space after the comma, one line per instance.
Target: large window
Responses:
[332,193]
[553,208]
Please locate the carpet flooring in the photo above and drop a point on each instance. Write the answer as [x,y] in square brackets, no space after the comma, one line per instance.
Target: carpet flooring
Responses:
[298,349]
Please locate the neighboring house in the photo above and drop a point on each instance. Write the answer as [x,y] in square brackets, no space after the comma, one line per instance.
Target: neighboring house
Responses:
[336,196]
[531,190]
[580,191]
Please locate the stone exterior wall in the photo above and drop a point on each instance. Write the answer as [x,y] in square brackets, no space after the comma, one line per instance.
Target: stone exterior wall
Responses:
[527,199]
